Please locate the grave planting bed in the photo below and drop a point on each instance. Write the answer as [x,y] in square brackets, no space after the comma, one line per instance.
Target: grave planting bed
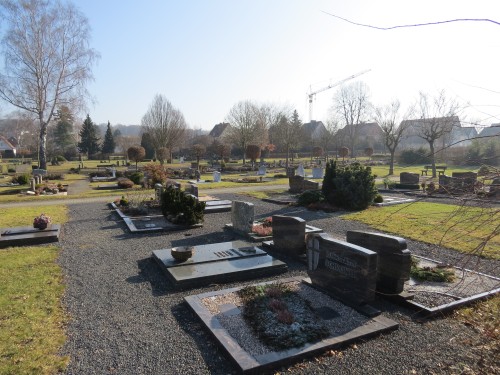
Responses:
[149,223]
[431,298]
[221,313]
[254,237]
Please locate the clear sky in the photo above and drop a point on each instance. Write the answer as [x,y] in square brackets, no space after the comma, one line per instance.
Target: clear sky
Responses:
[206,55]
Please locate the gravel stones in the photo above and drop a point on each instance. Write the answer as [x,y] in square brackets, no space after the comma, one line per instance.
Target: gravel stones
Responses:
[125,318]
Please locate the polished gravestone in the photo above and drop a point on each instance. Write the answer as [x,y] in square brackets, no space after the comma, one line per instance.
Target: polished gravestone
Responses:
[344,270]
[289,234]
[394,258]
[26,236]
[220,262]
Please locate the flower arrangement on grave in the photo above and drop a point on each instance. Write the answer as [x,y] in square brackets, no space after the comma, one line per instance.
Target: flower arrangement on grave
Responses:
[280,317]
[42,221]
[440,273]
[264,227]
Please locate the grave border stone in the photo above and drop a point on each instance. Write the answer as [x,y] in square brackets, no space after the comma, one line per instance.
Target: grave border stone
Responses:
[247,363]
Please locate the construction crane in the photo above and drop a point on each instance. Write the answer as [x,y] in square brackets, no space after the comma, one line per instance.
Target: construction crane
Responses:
[312,94]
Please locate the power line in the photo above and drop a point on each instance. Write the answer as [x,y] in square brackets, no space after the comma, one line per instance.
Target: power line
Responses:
[414,25]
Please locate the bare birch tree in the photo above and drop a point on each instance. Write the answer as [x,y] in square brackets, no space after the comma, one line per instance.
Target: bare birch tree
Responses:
[47,57]
[391,121]
[164,123]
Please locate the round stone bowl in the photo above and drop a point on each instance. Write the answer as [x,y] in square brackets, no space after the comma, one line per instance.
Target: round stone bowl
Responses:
[182,253]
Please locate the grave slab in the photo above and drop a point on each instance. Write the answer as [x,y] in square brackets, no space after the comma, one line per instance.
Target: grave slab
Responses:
[220,262]
[27,236]
[247,362]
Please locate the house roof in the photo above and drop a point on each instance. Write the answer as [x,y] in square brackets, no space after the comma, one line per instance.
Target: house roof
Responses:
[218,129]
[5,144]
[310,128]
[454,120]
[492,130]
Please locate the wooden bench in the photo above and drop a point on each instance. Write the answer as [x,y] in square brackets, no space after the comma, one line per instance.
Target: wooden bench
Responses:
[439,168]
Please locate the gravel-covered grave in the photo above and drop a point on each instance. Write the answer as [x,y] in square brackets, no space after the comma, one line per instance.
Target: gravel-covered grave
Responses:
[126,318]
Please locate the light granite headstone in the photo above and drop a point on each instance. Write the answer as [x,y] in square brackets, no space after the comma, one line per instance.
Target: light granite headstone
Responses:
[300,171]
[318,172]
[394,259]
[261,171]
[345,270]
[289,234]
[158,192]
[216,176]
[242,216]
[41,172]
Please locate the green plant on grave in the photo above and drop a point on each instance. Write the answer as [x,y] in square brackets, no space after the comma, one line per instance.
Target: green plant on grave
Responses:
[437,274]
[310,196]
[378,199]
[351,187]
[137,177]
[184,209]
[21,179]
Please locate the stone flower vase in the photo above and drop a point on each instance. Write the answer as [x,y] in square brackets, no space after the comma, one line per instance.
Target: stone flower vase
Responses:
[182,253]
[41,226]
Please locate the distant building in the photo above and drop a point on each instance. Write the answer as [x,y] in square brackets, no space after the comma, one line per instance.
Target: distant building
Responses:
[490,131]
[362,136]
[313,130]
[462,137]
[7,149]
[413,129]
[219,130]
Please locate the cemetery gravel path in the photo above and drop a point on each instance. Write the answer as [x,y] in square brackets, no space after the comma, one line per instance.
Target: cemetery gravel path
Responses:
[125,318]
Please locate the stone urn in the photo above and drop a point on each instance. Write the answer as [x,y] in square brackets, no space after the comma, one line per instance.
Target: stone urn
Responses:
[182,253]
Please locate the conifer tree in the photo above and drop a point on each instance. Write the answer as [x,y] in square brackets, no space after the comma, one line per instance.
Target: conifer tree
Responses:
[108,146]
[89,138]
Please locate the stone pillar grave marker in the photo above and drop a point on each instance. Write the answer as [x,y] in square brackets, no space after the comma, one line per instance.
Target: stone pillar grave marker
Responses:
[394,259]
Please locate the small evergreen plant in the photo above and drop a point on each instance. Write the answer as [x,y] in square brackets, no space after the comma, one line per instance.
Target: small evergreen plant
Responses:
[185,208]
[351,187]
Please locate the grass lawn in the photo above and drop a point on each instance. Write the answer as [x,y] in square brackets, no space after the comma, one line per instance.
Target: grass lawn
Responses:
[31,317]
[465,229]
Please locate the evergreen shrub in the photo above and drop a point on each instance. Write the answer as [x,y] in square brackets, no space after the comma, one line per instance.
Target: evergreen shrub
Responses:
[185,209]
[351,187]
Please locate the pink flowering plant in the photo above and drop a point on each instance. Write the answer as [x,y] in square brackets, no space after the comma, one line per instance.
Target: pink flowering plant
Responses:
[41,221]
[264,228]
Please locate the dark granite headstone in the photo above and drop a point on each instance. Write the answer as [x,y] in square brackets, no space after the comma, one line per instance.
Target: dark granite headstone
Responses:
[464,181]
[289,234]
[394,259]
[345,270]
[409,178]
[495,186]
